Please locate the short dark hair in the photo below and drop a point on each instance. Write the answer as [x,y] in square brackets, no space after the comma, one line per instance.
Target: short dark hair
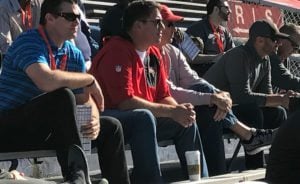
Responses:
[52,6]
[137,10]
[211,4]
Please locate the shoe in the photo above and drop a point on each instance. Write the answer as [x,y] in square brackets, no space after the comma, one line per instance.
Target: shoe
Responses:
[78,165]
[261,140]
[103,181]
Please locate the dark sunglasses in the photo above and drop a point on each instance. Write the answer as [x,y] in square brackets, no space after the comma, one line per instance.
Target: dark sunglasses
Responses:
[69,16]
[274,39]
[157,22]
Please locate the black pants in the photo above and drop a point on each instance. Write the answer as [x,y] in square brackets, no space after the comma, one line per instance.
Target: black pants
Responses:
[110,145]
[259,117]
[46,122]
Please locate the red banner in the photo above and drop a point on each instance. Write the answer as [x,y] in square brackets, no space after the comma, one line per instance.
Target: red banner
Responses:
[243,15]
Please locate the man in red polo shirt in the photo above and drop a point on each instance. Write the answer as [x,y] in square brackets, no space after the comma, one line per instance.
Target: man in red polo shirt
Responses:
[134,85]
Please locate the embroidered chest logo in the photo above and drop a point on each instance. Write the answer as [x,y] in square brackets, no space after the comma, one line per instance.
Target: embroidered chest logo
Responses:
[118,68]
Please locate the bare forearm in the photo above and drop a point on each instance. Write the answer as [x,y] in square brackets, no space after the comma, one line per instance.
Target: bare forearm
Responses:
[71,80]
[274,100]
[57,79]
[169,101]
[158,110]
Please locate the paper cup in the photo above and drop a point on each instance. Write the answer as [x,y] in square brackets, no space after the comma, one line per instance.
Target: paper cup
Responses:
[193,165]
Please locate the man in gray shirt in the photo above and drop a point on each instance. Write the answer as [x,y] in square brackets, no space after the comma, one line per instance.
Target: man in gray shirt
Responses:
[282,78]
[245,72]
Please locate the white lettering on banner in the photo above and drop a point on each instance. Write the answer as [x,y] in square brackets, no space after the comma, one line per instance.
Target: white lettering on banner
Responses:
[239,14]
[244,14]
[268,14]
[253,14]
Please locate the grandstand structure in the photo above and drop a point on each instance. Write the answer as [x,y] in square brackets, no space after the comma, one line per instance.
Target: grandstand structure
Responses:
[192,11]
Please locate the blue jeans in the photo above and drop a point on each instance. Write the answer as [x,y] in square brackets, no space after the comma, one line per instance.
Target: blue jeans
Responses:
[142,131]
[212,131]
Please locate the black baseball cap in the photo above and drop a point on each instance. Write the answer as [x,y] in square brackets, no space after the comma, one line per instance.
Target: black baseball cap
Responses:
[266,28]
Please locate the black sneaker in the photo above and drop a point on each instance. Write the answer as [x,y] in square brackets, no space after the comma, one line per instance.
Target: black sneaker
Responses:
[103,181]
[78,166]
[261,140]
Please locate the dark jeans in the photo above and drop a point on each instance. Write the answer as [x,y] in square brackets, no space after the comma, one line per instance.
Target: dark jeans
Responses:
[111,154]
[259,117]
[46,122]
[142,131]
[284,159]
[212,132]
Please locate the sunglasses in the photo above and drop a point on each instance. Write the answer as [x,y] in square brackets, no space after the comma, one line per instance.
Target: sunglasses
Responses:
[69,16]
[274,39]
[157,22]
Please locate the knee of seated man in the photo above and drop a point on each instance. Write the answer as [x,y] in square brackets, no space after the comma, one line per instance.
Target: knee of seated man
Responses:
[203,87]
[110,123]
[144,119]
[65,92]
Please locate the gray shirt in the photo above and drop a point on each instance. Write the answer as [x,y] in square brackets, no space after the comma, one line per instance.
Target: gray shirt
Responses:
[181,77]
[10,21]
[281,76]
[243,73]
[203,30]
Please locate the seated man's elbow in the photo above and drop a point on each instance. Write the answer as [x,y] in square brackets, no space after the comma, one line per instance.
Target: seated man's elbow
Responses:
[45,87]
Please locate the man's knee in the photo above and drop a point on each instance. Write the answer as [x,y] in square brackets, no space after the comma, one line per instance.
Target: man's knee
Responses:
[203,87]
[145,120]
[111,124]
[64,94]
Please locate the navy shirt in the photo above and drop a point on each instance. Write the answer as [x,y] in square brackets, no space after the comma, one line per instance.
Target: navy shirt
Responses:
[203,30]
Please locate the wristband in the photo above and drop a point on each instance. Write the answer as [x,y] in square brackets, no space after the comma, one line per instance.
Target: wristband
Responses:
[92,83]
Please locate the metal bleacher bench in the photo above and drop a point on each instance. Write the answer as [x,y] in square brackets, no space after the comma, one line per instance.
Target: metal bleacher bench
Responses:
[14,156]
[191,11]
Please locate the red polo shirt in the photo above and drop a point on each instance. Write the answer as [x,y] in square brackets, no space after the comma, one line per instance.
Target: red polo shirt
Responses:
[121,73]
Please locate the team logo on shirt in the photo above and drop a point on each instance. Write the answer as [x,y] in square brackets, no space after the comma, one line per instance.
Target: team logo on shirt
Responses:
[118,68]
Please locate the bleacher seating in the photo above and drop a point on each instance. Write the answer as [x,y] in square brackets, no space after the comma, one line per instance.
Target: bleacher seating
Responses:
[191,11]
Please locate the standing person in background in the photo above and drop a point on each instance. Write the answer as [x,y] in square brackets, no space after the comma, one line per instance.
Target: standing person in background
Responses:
[216,38]
[17,16]
[139,95]
[245,72]
[42,81]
